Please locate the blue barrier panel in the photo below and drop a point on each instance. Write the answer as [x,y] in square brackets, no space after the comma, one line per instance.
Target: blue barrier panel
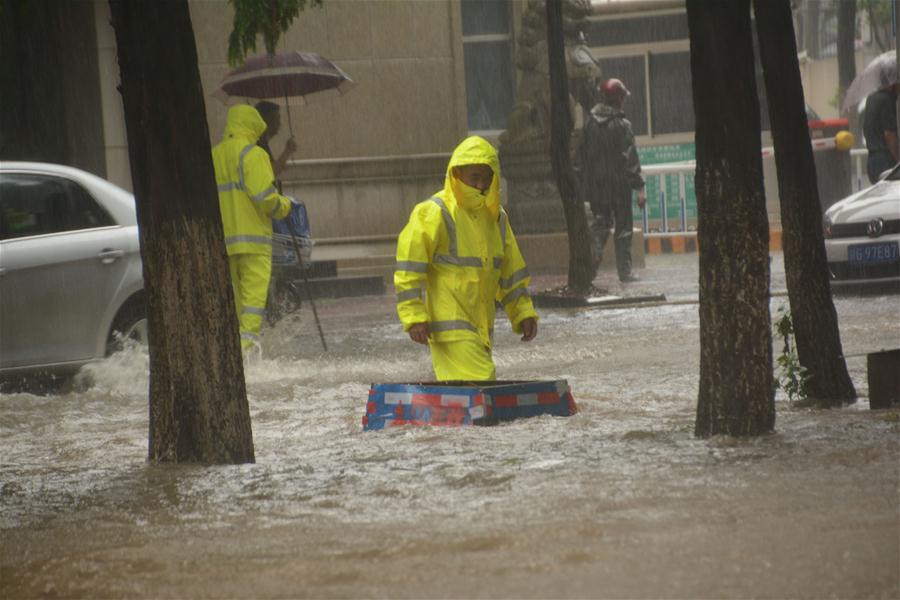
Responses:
[461,403]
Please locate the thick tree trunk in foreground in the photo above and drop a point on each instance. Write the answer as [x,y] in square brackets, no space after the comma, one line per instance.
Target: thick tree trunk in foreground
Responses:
[736,396]
[580,271]
[805,264]
[198,400]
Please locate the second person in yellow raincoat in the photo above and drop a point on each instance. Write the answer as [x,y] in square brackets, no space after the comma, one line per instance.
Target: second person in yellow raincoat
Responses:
[456,259]
[248,201]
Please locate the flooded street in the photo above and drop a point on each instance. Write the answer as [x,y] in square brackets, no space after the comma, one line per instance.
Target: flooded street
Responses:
[618,501]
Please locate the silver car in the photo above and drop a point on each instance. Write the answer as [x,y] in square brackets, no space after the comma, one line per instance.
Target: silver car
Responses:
[70,269]
[862,234]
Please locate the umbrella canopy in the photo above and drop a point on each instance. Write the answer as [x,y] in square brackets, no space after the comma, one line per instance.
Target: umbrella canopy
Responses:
[879,73]
[283,75]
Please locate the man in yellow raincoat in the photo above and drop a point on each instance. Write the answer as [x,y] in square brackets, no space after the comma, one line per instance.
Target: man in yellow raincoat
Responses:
[248,201]
[456,258]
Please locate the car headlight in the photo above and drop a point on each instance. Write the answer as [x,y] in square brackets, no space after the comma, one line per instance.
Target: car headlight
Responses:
[827,228]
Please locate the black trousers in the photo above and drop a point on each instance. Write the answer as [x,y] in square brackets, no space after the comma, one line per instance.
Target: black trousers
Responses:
[612,210]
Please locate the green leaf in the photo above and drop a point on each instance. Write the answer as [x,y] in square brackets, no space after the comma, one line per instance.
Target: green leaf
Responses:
[266,18]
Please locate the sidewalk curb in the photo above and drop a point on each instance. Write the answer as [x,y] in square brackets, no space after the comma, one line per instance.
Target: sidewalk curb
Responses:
[686,242]
[642,302]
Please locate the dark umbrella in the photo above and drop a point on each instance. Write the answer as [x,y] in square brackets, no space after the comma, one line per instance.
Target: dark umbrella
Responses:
[286,75]
[283,75]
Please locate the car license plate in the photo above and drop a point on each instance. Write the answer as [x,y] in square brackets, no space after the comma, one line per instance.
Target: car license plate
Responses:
[867,254]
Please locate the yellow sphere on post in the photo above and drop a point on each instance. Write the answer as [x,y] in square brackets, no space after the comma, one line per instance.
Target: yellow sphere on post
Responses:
[844,140]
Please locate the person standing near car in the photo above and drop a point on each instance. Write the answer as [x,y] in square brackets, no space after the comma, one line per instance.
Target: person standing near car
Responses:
[248,200]
[610,170]
[880,129]
[457,259]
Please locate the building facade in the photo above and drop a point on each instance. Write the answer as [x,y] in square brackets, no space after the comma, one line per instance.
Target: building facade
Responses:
[427,73]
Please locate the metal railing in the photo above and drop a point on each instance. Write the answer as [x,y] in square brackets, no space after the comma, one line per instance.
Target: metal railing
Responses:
[858,157]
[684,171]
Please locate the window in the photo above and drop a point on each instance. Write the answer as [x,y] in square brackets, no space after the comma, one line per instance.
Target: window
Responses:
[651,54]
[488,63]
[671,97]
[637,30]
[37,205]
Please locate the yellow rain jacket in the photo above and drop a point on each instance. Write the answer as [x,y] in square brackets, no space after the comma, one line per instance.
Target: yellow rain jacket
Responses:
[248,198]
[455,262]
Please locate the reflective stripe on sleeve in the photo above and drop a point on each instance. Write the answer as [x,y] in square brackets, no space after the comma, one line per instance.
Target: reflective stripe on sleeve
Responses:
[412,266]
[503,227]
[516,293]
[410,294]
[451,325]
[227,187]
[275,210]
[264,194]
[250,239]
[514,278]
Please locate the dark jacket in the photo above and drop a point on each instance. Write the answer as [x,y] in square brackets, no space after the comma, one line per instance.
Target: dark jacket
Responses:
[608,158]
[880,116]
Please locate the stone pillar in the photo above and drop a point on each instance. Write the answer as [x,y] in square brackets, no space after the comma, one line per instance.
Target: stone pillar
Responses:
[533,202]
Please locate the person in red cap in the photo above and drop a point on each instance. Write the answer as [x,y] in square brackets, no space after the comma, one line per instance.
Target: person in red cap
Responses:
[610,170]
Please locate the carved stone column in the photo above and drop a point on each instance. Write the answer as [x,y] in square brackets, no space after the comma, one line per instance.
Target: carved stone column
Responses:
[533,202]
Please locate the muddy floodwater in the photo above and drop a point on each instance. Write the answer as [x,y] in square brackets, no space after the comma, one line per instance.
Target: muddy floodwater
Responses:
[619,501]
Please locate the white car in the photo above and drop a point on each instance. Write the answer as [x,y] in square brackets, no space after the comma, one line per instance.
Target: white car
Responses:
[70,269]
[862,234]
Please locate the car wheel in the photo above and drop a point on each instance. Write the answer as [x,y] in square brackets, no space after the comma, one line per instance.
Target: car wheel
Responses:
[129,324]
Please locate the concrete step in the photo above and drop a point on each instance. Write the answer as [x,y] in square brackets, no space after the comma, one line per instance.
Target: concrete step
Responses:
[343,286]
[386,272]
[316,269]
[377,261]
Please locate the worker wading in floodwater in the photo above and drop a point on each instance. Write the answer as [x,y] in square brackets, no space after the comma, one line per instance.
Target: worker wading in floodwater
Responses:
[456,258]
[248,200]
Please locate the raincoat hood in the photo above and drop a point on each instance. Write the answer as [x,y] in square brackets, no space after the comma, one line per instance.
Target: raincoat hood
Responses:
[245,122]
[604,112]
[474,150]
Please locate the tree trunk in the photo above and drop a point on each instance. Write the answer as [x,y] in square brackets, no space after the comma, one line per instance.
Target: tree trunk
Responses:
[846,55]
[580,271]
[198,400]
[805,264]
[737,395]
[811,27]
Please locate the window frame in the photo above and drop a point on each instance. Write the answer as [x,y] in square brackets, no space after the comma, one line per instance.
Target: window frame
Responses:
[482,38]
[70,187]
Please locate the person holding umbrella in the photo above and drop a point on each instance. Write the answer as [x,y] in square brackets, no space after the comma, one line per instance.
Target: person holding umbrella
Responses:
[880,129]
[271,114]
[877,84]
[248,200]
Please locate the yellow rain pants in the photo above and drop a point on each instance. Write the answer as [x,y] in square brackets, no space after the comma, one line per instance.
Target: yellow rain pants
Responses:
[462,360]
[250,280]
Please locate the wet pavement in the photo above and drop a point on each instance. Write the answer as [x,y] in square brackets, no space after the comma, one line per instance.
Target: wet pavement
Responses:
[617,501]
